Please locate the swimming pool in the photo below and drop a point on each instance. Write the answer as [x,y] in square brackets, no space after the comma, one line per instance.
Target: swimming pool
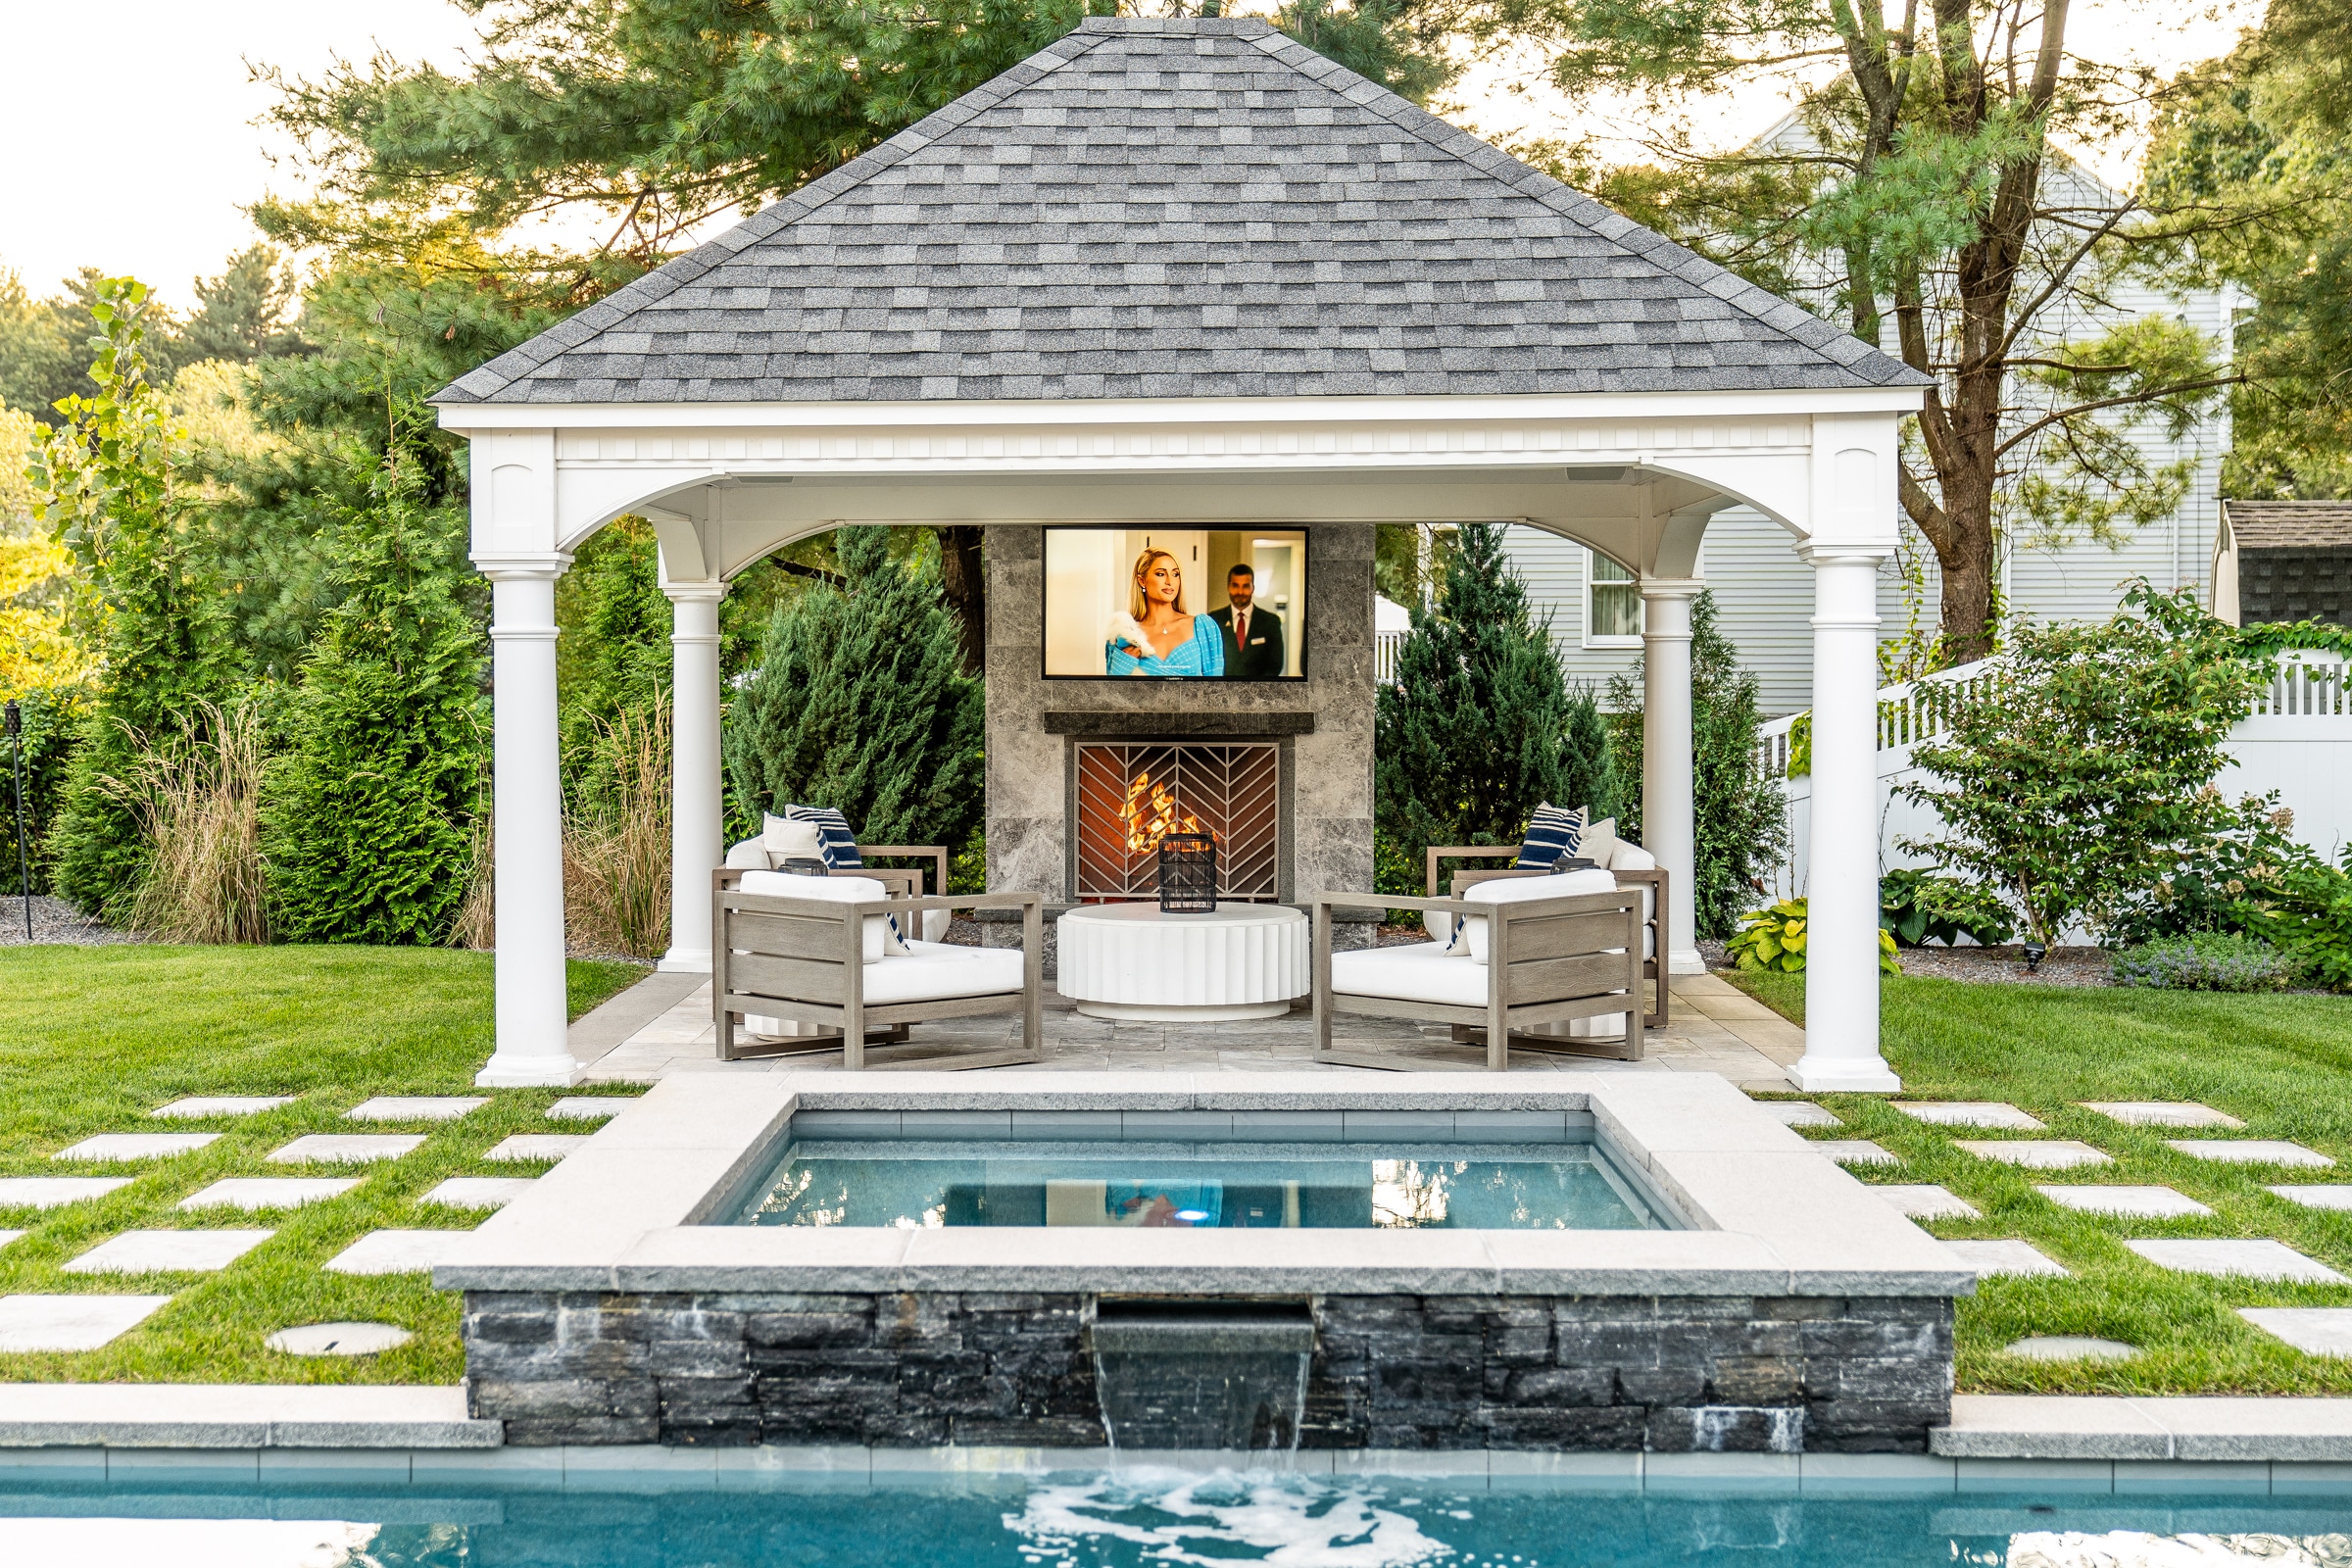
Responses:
[1093,1519]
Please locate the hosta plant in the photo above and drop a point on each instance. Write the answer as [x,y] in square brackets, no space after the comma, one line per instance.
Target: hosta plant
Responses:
[1775,939]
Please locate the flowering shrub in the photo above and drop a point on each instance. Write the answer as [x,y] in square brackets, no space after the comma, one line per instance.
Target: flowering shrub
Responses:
[2207,961]
[1775,939]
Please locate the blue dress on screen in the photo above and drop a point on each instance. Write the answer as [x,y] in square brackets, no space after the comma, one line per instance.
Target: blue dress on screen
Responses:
[1204,655]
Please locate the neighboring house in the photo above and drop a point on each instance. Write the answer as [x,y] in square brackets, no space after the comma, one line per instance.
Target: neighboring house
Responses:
[1764,593]
[2283,561]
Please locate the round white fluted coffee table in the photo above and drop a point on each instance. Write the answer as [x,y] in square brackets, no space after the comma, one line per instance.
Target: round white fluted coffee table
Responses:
[1129,961]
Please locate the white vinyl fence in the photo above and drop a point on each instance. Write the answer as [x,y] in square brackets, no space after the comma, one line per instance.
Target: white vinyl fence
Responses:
[2297,741]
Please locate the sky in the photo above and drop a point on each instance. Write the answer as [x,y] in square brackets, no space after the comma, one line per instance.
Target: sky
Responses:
[153,181]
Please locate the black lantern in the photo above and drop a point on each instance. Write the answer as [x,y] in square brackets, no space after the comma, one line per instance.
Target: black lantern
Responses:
[1188,874]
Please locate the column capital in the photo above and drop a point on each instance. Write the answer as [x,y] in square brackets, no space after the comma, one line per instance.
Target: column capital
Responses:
[522,565]
[1828,552]
[709,593]
[1673,587]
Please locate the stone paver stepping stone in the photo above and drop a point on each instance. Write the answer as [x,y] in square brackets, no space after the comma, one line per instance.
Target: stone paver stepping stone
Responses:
[7,1237]
[339,1338]
[167,1251]
[415,1108]
[596,1107]
[2313,1330]
[2260,1260]
[345,1148]
[1925,1201]
[222,1105]
[537,1145]
[2004,1257]
[1853,1151]
[70,1322]
[50,1191]
[2132,1202]
[2071,1348]
[1969,1113]
[2315,1196]
[253,1192]
[480,1192]
[395,1251]
[2247,1151]
[137,1146]
[2161,1113]
[2036,1153]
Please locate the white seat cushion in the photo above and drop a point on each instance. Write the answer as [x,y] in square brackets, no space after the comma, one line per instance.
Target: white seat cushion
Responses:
[1421,972]
[1525,890]
[933,971]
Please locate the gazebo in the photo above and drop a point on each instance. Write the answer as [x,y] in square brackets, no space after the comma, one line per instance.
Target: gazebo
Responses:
[1184,273]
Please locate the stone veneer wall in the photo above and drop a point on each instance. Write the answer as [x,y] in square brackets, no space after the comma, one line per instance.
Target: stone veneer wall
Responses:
[1330,769]
[1670,1374]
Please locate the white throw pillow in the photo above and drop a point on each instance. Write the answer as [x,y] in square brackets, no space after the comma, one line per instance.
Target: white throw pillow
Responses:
[1599,842]
[1524,889]
[787,840]
[880,940]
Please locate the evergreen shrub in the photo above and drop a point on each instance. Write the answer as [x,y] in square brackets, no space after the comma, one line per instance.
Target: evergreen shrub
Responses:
[1480,726]
[368,813]
[860,702]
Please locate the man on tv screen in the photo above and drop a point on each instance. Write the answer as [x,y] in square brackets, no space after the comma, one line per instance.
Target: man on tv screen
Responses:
[1252,636]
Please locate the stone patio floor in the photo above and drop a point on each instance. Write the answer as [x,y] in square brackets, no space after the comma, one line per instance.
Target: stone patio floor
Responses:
[1716,1028]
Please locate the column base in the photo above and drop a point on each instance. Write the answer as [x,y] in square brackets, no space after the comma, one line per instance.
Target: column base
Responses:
[546,1072]
[1834,1077]
[684,960]
[1684,961]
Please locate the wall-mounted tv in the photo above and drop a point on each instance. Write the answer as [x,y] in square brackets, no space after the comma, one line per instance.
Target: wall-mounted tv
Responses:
[1176,604]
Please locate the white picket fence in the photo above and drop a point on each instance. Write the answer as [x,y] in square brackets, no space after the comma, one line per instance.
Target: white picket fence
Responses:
[2297,741]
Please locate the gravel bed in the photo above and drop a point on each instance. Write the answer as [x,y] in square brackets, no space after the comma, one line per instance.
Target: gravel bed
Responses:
[2006,965]
[54,921]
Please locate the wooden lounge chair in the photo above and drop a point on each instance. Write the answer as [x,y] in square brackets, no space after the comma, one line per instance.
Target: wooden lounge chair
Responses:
[811,962]
[1543,960]
[1630,864]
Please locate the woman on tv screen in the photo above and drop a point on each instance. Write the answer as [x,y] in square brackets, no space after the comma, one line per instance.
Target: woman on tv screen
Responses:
[1156,638]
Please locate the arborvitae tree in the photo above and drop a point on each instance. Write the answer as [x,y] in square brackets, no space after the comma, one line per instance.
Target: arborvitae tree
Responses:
[861,703]
[1480,727]
[1738,818]
[368,817]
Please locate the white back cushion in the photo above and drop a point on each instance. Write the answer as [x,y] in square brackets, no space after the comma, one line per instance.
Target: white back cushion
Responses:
[1524,889]
[880,940]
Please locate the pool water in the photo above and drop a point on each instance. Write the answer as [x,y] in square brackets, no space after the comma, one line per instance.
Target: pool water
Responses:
[919,1183]
[1133,1519]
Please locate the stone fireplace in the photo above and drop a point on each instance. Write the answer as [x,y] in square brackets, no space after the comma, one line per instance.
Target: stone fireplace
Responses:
[1130,794]
[1281,771]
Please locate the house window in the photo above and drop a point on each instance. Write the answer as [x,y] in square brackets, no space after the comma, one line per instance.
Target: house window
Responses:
[1612,604]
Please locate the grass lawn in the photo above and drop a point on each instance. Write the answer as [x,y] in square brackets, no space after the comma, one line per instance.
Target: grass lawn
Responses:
[92,1039]
[2283,1065]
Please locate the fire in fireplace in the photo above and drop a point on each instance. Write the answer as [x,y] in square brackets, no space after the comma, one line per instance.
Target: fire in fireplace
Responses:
[1133,795]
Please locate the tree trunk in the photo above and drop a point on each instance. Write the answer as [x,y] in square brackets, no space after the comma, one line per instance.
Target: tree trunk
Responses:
[961,582]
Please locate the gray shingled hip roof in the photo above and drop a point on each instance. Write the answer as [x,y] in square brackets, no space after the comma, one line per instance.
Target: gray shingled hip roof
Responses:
[1167,208]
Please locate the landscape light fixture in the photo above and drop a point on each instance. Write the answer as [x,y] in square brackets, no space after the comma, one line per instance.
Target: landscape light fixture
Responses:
[16,750]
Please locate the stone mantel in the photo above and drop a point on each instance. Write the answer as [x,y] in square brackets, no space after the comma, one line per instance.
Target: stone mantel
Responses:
[1160,725]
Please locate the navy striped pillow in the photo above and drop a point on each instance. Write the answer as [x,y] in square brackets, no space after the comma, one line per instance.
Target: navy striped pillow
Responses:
[1552,834]
[835,841]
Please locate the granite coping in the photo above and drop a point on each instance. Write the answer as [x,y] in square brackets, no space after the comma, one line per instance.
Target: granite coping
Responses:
[1760,1212]
[2014,1426]
[233,1415]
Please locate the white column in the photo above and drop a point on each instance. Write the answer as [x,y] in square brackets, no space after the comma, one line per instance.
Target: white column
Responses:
[1668,831]
[527,801]
[1842,880]
[696,825]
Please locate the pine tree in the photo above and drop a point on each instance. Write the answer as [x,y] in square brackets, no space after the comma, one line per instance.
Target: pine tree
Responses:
[368,819]
[1480,727]
[861,703]
[241,315]
[1740,821]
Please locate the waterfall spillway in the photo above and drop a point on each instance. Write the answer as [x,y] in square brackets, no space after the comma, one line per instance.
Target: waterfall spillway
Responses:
[1203,1375]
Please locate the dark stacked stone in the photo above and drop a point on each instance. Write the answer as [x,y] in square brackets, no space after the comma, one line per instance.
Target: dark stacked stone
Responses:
[1669,1374]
